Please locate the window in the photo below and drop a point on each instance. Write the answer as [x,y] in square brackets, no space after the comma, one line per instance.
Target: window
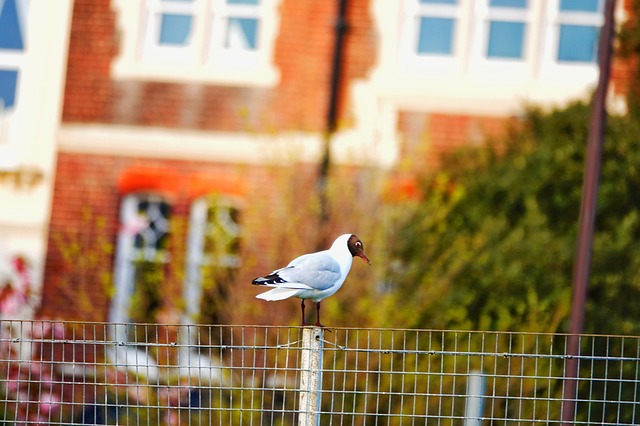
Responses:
[507,27]
[169,29]
[221,41]
[579,30]
[141,256]
[12,48]
[239,20]
[12,62]
[212,256]
[436,21]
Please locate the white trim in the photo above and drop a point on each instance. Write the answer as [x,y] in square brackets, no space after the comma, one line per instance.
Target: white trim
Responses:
[350,146]
[184,144]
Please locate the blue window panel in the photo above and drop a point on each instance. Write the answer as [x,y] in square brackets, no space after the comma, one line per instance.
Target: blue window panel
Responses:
[8,85]
[439,1]
[10,31]
[578,43]
[256,2]
[506,40]
[175,29]
[242,33]
[579,5]
[436,36]
[519,4]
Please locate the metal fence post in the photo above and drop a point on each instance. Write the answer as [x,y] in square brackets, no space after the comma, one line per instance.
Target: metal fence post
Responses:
[475,399]
[310,377]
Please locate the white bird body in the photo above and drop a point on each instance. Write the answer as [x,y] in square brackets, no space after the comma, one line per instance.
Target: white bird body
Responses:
[313,276]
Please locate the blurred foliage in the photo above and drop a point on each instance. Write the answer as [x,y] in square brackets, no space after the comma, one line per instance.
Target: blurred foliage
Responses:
[492,245]
[84,250]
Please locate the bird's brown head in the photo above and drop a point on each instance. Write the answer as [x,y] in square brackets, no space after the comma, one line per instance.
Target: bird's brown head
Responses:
[356,248]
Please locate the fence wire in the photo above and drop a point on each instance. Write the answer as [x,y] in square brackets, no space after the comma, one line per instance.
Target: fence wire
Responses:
[74,373]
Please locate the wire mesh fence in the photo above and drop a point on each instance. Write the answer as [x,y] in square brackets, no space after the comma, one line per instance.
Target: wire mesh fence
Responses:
[74,373]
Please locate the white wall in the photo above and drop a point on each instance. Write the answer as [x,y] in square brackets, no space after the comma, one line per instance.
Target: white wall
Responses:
[25,209]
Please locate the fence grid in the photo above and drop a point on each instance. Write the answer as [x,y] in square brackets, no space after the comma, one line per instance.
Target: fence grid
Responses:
[74,373]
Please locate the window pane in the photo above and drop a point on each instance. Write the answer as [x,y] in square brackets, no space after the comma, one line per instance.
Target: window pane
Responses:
[8,84]
[579,5]
[152,235]
[439,1]
[10,31]
[577,43]
[506,39]
[520,4]
[242,34]
[435,36]
[175,29]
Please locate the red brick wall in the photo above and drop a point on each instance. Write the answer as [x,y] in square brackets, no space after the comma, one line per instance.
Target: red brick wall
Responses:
[624,69]
[303,52]
[277,199]
[275,218]
[426,137]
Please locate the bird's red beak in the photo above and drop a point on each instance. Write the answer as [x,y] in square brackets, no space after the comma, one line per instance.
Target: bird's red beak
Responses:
[363,256]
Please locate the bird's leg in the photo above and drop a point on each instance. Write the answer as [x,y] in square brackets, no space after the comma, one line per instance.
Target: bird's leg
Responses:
[318,315]
[302,304]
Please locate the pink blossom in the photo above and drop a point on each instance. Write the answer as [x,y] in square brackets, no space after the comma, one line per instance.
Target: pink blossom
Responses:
[13,386]
[49,403]
[11,301]
[58,330]
[171,418]
[135,225]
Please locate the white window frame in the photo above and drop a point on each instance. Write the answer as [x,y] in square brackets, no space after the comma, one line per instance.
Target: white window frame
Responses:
[155,52]
[577,71]
[413,62]
[204,59]
[482,67]
[196,256]
[10,119]
[220,14]
[507,14]
[468,82]
[126,254]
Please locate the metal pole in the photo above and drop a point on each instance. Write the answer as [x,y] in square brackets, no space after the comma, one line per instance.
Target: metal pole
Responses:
[310,377]
[587,215]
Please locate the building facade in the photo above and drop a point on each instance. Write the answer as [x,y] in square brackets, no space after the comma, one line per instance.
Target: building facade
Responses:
[186,156]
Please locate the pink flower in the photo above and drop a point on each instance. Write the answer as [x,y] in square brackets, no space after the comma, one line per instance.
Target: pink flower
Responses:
[49,403]
[58,330]
[135,225]
[11,300]
[171,418]
[21,266]
[13,386]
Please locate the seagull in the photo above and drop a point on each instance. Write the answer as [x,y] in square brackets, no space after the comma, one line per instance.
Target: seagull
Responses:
[314,276]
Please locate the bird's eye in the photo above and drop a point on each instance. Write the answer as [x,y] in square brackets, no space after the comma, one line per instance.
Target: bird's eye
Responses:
[358,244]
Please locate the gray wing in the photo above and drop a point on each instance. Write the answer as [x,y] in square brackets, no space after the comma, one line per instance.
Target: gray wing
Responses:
[318,270]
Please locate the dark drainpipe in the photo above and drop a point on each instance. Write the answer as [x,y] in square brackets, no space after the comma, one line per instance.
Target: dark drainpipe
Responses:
[340,30]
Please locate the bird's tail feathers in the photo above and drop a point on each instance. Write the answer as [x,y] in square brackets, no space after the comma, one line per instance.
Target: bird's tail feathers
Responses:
[278,293]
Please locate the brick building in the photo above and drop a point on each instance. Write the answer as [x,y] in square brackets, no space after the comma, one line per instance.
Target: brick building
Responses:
[185,122]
